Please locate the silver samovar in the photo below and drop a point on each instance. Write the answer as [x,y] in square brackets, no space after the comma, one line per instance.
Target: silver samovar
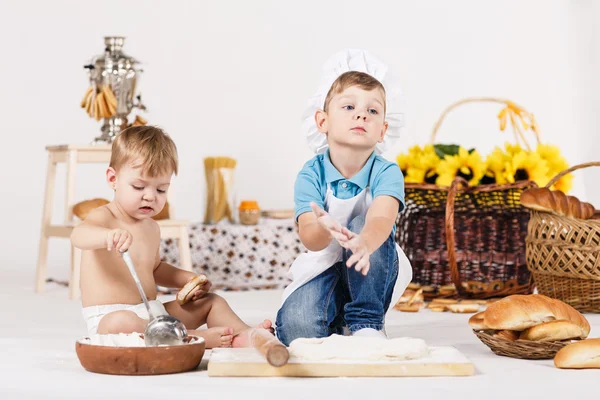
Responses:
[120,73]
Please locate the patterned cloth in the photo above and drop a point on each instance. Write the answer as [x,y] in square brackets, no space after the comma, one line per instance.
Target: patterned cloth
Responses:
[240,257]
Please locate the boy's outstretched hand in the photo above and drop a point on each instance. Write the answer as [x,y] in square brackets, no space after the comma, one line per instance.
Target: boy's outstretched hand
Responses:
[328,222]
[347,239]
[360,254]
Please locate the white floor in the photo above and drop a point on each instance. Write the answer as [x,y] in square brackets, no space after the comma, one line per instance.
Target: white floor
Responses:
[38,360]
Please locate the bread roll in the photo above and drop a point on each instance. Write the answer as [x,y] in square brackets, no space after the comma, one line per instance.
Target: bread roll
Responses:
[463,308]
[507,335]
[555,201]
[476,321]
[187,291]
[444,301]
[583,354]
[83,208]
[437,309]
[519,312]
[553,331]
[404,307]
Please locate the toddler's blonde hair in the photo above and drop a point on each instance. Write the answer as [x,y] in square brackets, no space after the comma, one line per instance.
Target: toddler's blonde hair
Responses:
[148,145]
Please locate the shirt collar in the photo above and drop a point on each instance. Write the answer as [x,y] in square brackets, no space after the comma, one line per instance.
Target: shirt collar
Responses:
[361,179]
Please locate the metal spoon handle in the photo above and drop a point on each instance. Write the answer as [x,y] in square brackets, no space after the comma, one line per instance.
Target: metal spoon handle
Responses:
[129,262]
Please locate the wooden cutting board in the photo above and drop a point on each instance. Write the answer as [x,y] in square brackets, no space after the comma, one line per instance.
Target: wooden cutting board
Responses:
[443,361]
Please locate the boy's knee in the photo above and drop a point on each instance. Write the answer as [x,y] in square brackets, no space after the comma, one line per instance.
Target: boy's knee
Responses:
[121,322]
[357,224]
[299,323]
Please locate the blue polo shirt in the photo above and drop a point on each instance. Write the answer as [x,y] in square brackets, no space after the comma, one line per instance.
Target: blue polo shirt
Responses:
[384,178]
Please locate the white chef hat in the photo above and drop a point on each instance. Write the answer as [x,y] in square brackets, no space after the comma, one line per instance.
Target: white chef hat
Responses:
[362,61]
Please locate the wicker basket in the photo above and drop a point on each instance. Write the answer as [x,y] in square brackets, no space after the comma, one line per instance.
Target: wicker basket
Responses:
[563,255]
[485,256]
[525,349]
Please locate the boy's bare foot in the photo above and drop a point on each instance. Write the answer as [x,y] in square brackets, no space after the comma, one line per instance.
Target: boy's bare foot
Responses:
[242,339]
[216,337]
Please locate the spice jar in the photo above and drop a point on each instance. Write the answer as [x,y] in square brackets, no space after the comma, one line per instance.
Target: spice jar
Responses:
[249,212]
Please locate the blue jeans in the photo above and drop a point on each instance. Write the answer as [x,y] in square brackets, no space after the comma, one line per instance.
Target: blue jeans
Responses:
[341,296]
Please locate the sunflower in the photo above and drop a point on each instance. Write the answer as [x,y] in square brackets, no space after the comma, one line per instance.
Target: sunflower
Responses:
[465,164]
[419,165]
[527,165]
[512,149]
[495,166]
[556,163]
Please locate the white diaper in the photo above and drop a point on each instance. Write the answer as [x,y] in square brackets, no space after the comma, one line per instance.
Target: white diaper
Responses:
[93,314]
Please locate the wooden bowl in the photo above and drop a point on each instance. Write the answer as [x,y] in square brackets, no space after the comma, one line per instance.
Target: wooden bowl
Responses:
[141,360]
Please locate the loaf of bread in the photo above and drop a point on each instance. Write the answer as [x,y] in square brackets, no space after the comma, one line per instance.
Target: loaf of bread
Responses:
[553,331]
[82,209]
[520,312]
[476,321]
[555,201]
[583,354]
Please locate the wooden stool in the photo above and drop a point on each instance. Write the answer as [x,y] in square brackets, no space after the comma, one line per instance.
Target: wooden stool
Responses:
[79,154]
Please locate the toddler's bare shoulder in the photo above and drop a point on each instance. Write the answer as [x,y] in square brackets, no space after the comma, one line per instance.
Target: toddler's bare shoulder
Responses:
[101,215]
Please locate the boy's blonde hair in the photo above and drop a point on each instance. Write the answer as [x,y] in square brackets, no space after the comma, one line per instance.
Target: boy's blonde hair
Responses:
[353,78]
[150,146]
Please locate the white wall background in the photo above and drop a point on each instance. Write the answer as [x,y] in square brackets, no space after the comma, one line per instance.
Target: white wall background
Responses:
[233,77]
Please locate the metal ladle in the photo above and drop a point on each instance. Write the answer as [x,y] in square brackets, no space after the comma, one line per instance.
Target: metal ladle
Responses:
[162,329]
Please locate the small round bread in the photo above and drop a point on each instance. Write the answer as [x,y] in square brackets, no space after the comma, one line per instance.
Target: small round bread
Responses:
[437,309]
[444,301]
[553,331]
[404,307]
[83,208]
[508,335]
[187,291]
[476,321]
[163,214]
[583,354]
[463,308]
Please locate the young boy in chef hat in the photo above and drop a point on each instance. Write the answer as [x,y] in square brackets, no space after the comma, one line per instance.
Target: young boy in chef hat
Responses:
[347,199]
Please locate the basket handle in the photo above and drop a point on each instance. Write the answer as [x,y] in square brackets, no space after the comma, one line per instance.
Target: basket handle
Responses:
[460,184]
[457,183]
[514,112]
[569,170]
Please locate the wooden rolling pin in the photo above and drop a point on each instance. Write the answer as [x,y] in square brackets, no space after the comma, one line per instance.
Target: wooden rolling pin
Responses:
[272,349]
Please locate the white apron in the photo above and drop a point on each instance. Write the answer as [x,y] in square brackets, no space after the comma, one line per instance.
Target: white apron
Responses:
[311,264]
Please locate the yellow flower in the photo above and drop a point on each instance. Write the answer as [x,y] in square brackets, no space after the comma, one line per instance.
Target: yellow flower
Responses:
[467,165]
[556,163]
[512,149]
[419,165]
[495,167]
[527,165]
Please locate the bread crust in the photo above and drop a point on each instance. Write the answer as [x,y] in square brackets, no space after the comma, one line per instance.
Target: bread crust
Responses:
[553,331]
[187,291]
[583,354]
[520,312]
[555,201]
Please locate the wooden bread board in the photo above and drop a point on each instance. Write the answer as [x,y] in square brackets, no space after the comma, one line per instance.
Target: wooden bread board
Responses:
[443,361]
